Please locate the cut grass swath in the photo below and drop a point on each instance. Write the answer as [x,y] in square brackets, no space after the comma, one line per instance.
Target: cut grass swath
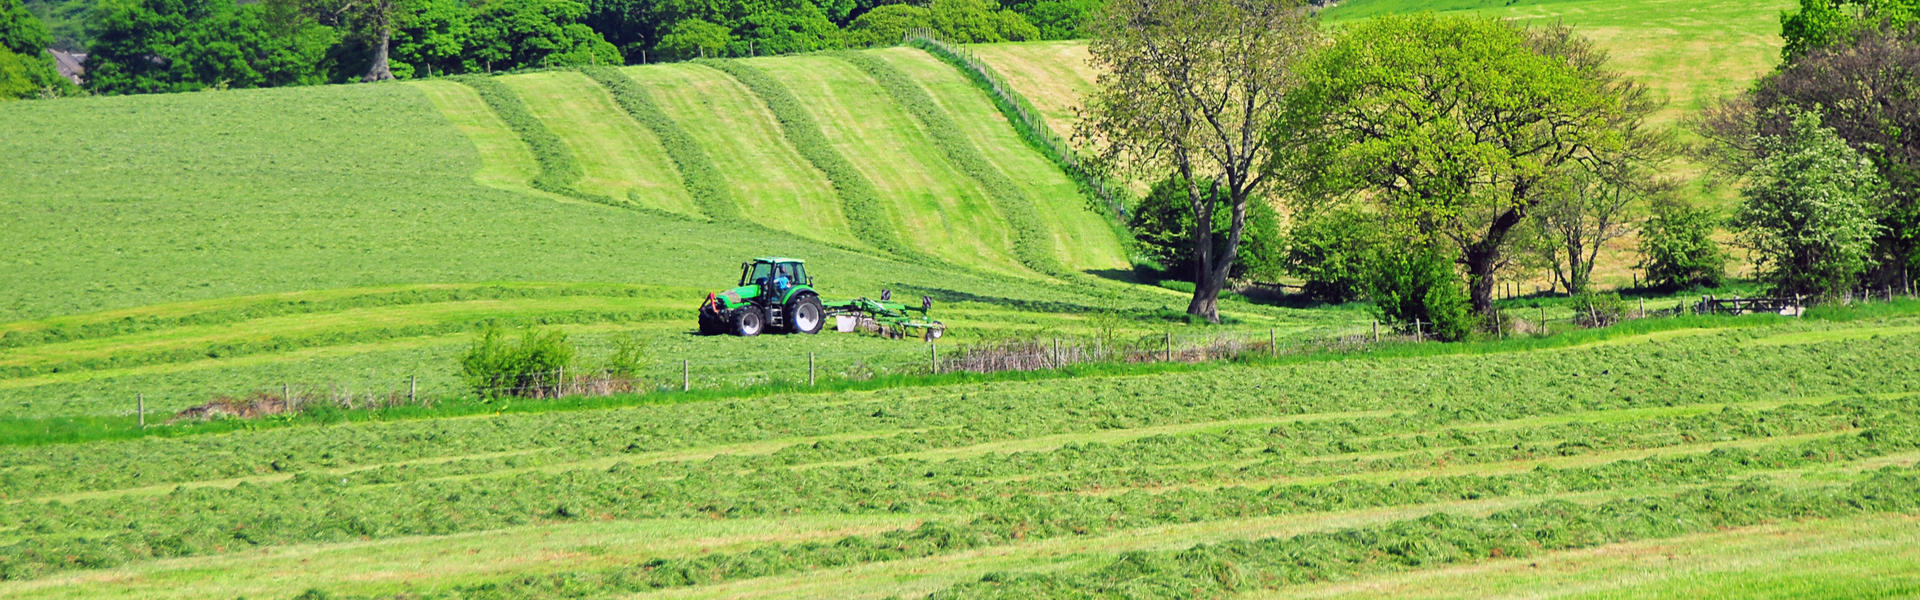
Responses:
[559,171]
[702,178]
[860,200]
[1030,239]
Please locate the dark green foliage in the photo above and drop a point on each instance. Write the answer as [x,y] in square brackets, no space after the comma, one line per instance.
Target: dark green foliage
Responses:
[1031,241]
[1677,248]
[1822,23]
[26,70]
[887,25]
[1328,251]
[144,46]
[859,199]
[1162,225]
[1418,286]
[513,34]
[494,367]
[1057,19]
[558,168]
[697,171]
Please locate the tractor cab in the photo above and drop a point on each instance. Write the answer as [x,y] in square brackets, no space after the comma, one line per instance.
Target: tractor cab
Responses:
[767,271]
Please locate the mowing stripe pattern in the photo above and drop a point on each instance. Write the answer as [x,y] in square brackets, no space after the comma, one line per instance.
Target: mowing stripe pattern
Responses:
[558,168]
[1031,243]
[1032,127]
[860,200]
[1136,486]
[702,178]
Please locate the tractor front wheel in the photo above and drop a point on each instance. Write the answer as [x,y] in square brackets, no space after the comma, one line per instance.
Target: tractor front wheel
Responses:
[748,322]
[804,315]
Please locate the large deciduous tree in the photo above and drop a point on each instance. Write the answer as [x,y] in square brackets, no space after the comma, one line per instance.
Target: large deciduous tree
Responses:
[1189,87]
[1454,126]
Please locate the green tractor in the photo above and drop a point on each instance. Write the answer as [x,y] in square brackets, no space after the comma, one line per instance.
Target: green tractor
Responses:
[776,294]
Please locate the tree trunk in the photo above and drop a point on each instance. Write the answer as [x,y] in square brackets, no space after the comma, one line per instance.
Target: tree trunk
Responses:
[379,71]
[1482,257]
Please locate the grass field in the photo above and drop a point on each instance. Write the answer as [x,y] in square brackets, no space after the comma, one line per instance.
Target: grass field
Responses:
[1786,467]
[365,231]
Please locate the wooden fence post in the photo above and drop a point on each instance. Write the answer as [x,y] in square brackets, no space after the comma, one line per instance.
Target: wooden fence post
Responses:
[933,357]
[1273,346]
[1169,344]
[686,382]
[809,369]
[1417,335]
[286,397]
[140,408]
[1376,330]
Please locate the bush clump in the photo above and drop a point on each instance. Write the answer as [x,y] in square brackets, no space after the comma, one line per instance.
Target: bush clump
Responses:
[495,367]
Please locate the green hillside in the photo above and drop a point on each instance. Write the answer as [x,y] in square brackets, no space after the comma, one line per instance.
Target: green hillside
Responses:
[192,245]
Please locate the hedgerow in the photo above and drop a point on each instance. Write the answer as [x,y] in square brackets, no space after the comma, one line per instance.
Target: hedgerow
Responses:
[1032,243]
[1103,196]
[697,171]
[559,170]
[859,199]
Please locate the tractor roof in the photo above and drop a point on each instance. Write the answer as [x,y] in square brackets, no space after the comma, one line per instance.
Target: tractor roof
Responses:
[776,259]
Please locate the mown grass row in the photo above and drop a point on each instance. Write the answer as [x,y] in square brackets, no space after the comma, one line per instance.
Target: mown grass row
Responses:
[276,342]
[559,170]
[697,171]
[860,199]
[1103,196]
[1245,566]
[1031,240]
[1010,515]
[371,504]
[69,329]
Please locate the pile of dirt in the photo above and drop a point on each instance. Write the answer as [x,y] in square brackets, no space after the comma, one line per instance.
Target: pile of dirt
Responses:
[258,404]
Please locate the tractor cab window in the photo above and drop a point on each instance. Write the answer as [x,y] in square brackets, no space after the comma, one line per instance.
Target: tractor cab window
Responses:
[798,272]
[757,272]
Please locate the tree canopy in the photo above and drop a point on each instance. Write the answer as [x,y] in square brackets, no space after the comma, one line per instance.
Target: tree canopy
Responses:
[1454,127]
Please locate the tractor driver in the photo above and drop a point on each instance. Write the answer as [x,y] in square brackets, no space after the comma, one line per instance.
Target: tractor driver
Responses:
[780,281]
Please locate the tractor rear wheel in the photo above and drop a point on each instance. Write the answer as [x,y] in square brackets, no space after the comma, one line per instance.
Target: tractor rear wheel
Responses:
[748,322]
[804,315]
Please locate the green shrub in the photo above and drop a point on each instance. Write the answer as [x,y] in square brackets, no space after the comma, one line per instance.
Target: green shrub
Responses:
[1329,250]
[697,171]
[494,367]
[1598,309]
[1032,244]
[1418,287]
[1806,210]
[1677,248]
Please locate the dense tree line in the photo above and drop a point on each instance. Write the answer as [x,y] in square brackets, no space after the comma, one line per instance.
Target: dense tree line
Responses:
[142,46]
